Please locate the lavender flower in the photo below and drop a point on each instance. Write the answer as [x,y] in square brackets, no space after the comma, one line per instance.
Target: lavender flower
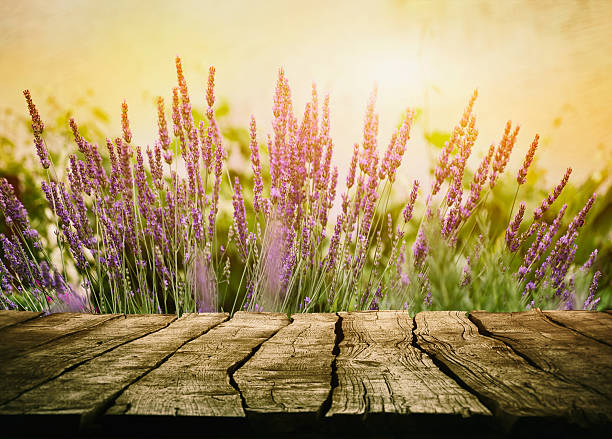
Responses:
[589,262]
[407,212]
[591,302]
[210,90]
[350,178]
[521,177]
[256,166]
[467,273]
[552,196]
[240,219]
[37,128]
[502,153]
[125,123]
[512,230]
[162,125]
[420,249]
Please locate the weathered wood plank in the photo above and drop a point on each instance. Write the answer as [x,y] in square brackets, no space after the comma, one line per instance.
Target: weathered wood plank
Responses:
[39,365]
[381,373]
[594,324]
[10,318]
[195,381]
[289,378]
[553,348]
[81,393]
[18,339]
[515,391]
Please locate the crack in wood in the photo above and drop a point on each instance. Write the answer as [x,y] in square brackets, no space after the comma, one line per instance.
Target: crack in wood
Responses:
[12,318]
[489,403]
[234,368]
[563,325]
[486,333]
[79,363]
[334,367]
[21,351]
[90,417]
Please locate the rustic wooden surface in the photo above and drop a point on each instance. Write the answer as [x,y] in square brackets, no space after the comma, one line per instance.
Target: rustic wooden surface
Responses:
[8,318]
[195,381]
[513,388]
[261,374]
[553,348]
[36,366]
[289,378]
[593,324]
[36,332]
[89,388]
[381,372]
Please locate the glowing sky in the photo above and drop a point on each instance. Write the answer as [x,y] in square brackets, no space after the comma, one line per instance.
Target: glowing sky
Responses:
[545,65]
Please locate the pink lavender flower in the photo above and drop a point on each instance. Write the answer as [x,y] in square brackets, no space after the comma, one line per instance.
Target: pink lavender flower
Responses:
[369,156]
[521,177]
[578,220]
[396,149]
[444,167]
[350,178]
[256,166]
[467,273]
[552,196]
[37,128]
[15,214]
[240,221]
[428,300]
[530,287]
[591,302]
[181,81]
[511,232]
[216,188]
[125,123]
[502,153]
[333,245]
[420,249]
[407,212]
[162,125]
[552,231]
[589,262]
[176,120]
[451,223]
[210,90]
[457,168]
[480,177]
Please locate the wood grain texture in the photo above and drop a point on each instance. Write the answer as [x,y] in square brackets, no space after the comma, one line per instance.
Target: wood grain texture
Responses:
[18,339]
[513,389]
[10,318]
[87,389]
[380,372]
[195,381]
[594,324]
[39,365]
[566,354]
[289,378]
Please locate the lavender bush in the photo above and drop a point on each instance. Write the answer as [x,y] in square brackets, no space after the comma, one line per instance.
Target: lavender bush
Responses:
[138,229]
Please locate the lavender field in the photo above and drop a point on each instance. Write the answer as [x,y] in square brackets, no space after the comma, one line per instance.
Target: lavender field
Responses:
[171,228]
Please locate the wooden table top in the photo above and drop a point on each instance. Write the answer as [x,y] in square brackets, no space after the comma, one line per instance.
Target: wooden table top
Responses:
[384,373]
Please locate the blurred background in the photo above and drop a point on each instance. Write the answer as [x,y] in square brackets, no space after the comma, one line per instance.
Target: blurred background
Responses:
[545,65]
